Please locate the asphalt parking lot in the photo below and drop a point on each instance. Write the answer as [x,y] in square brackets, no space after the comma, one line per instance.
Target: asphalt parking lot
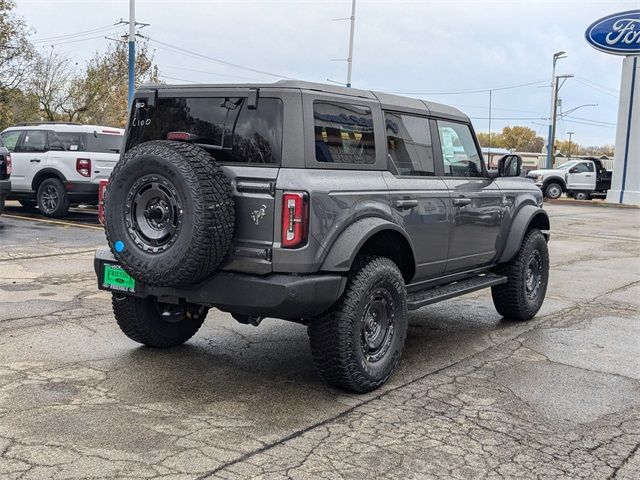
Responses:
[476,396]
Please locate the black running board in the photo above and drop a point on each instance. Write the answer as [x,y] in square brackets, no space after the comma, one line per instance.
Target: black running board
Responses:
[421,298]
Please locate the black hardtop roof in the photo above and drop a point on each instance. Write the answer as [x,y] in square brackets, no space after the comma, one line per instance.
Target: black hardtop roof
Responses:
[387,100]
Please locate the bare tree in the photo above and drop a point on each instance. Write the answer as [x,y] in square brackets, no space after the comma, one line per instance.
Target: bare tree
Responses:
[51,80]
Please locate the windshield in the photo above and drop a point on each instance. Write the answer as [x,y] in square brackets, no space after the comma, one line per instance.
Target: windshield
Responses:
[566,165]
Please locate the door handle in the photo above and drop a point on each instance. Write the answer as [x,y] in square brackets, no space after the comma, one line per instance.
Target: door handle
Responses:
[588,176]
[406,204]
[461,202]
[35,160]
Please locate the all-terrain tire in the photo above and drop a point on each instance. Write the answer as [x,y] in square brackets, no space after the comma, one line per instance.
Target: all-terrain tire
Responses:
[52,198]
[522,296]
[338,338]
[198,211]
[553,190]
[142,320]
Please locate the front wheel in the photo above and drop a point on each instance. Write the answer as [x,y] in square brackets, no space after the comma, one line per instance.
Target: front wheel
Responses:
[358,344]
[156,324]
[52,198]
[553,191]
[527,274]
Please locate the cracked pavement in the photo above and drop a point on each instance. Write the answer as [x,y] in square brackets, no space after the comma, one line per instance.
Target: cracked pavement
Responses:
[475,396]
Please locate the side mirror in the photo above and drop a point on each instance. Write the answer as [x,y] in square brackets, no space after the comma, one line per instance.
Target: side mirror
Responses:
[510,166]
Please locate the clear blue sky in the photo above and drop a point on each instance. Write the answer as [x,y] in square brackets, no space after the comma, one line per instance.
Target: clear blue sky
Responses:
[400,46]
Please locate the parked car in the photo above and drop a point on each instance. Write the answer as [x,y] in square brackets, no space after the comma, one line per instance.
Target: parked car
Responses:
[337,208]
[5,174]
[582,179]
[56,165]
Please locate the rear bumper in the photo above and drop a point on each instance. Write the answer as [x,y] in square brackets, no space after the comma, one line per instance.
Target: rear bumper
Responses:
[5,189]
[82,192]
[289,297]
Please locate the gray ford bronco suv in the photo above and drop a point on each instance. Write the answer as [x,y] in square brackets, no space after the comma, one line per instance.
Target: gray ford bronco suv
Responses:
[337,208]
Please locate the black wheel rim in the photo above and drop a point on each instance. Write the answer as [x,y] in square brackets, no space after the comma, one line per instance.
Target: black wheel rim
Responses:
[378,325]
[533,278]
[49,198]
[153,213]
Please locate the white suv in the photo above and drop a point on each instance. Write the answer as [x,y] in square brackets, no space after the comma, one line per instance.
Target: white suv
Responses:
[56,165]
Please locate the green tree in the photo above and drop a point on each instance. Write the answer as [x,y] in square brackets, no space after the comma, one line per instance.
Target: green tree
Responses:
[522,139]
[16,54]
[496,140]
[99,94]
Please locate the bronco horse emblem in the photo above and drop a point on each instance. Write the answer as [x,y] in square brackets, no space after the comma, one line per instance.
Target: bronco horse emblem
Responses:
[259,214]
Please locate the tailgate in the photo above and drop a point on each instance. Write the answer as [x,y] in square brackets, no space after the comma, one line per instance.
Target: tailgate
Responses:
[254,196]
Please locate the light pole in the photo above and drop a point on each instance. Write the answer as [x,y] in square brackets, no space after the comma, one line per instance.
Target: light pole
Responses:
[556,56]
[570,135]
[132,48]
[351,33]
[554,117]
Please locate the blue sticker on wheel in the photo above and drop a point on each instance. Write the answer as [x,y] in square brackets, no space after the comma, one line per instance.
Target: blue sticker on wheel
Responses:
[119,246]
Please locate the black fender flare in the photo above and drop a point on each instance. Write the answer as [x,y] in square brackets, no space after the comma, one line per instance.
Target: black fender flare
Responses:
[526,216]
[343,252]
[46,173]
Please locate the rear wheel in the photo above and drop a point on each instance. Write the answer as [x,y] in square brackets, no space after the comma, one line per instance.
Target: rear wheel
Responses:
[155,324]
[527,278]
[553,190]
[358,344]
[581,196]
[52,198]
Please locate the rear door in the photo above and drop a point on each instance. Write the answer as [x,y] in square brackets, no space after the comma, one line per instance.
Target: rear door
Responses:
[245,141]
[417,193]
[476,201]
[581,176]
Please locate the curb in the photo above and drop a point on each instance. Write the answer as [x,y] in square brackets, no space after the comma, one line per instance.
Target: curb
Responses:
[589,203]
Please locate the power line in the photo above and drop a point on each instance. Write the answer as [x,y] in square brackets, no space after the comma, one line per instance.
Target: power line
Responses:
[175,78]
[70,41]
[73,35]
[596,88]
[209,73]
[184,51]
[462,92]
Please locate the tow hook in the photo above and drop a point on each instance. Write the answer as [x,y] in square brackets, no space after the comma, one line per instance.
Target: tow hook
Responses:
[247,319]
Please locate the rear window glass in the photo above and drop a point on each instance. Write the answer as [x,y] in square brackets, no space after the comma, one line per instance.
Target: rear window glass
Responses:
[343,133]
[73,141]
[104,142]
[224,126]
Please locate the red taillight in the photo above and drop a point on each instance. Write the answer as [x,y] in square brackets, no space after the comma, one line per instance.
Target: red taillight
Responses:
[83,167]
[8,165]
[295,219]
[180,136]
[102,188]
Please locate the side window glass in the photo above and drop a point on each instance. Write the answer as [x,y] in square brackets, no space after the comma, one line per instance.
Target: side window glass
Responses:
[54,142]
[343,133]
[10,139]
[73,141]
[459,153]
[409,144]
[34,141]
[590,167]
[582,168]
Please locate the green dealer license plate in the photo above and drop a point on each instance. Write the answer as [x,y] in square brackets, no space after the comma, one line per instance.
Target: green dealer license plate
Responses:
[115,278]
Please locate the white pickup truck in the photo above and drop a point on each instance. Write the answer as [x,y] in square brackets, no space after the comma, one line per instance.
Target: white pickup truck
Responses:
[582,179]
[56,165]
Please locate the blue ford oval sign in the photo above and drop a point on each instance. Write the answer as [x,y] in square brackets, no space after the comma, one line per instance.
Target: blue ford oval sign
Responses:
[618,34]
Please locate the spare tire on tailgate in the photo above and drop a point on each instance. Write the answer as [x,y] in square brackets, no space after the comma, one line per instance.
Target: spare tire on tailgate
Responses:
[169,213]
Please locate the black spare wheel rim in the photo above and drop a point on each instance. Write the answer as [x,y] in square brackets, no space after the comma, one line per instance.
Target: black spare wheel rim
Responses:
[533,278]
[50,198]
[378,325]
[153,212]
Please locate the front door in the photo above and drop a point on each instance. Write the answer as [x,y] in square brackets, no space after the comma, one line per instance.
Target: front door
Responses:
[419,199]
[581,176]
[476,200]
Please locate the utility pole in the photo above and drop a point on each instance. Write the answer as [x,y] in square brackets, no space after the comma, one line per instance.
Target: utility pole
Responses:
[489,157]
[132,48]
[554,116]
[570,135]
[350,59]
[556,56]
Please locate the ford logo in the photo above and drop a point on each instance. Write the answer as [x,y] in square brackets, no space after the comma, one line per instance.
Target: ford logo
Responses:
[618,34]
